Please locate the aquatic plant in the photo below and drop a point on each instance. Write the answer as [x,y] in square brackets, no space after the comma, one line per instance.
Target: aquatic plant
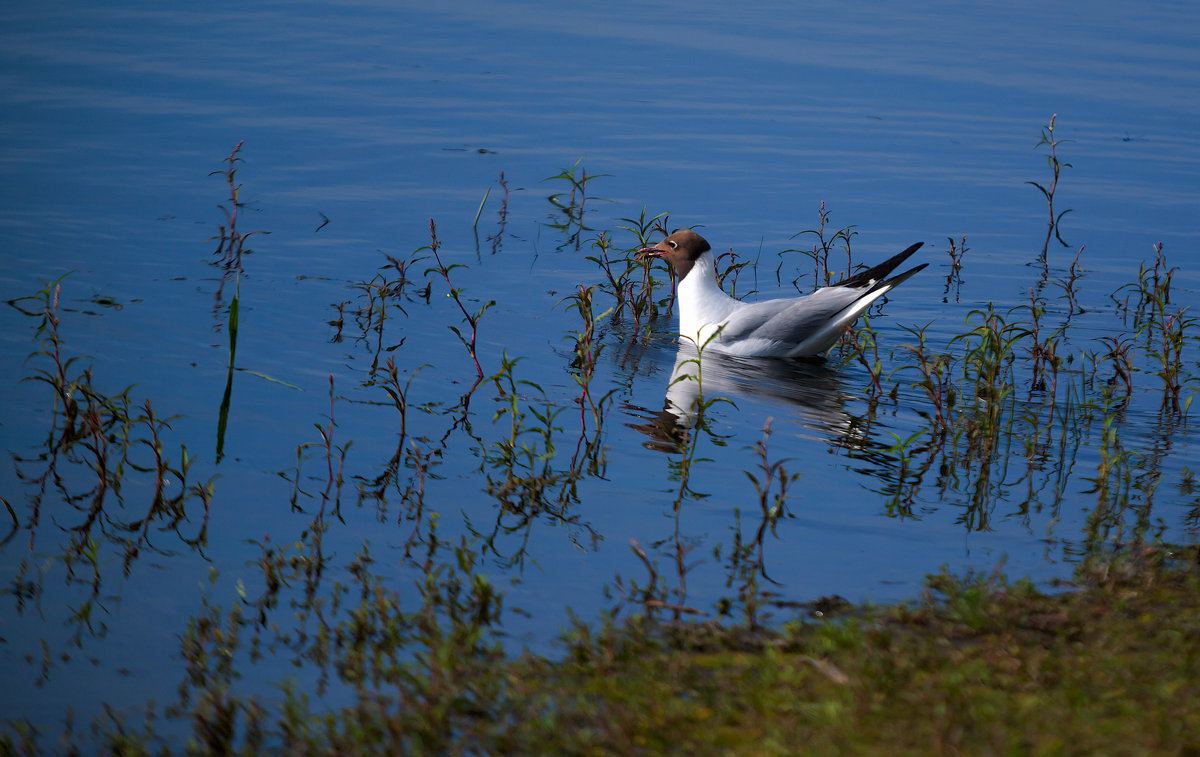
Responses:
[954,278]
[497,239]
[231,329]
[471,319]
[860,344]
[372,311]
[568,214]
[231,243]
[1070,285]
[587,349]
[820,251]
[729,266]
[747,556]
[956,253]
[936,381]
[1056,166]
[634,287]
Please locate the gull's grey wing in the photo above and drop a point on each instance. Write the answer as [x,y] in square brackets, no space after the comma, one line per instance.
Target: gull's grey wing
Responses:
[788,320]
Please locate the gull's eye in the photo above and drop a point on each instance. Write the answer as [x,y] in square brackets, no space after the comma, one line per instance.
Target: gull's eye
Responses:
[674,245]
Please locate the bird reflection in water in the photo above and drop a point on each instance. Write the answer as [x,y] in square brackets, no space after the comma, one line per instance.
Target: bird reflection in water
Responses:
[810,387]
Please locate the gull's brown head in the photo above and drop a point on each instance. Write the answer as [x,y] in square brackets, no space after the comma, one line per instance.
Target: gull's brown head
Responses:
[680,248]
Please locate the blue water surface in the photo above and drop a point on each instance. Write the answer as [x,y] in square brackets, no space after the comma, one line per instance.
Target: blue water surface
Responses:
[910,123]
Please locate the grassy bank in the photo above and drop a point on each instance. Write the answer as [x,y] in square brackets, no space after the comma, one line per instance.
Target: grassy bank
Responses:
[976,666]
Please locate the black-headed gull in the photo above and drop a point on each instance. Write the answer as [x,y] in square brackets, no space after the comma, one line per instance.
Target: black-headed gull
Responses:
[787,327]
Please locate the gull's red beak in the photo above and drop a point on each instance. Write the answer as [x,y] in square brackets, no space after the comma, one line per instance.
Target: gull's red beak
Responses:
[653,252]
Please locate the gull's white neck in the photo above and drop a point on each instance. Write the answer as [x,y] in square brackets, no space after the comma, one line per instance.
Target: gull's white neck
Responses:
[702,304]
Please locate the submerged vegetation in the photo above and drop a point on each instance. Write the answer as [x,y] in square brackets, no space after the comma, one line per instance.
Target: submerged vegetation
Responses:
[1018,413]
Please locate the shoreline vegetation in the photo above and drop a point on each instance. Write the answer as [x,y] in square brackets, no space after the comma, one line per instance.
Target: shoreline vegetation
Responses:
[1018,414]
[977,665]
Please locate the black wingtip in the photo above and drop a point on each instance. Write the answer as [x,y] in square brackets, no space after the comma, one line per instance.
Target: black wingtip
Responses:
[900,279]
[879,272]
